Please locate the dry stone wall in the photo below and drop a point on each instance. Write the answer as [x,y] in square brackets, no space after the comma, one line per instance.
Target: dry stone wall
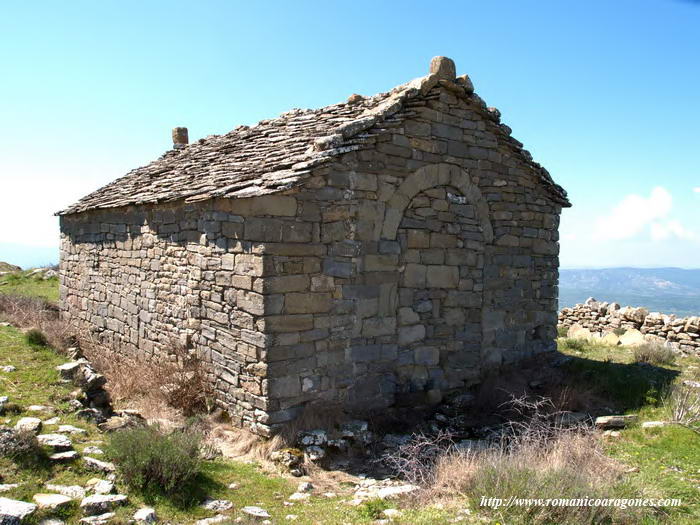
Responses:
[401,271]
[599,319]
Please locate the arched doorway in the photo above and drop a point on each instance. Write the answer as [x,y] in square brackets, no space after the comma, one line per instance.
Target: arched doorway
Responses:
[440,291]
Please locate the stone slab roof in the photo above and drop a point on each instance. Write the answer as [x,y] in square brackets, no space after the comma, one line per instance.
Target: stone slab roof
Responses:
[277,154]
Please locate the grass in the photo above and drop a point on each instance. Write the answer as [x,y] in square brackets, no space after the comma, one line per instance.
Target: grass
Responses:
[21,283]
[36,382]
[658,462]
[663,460]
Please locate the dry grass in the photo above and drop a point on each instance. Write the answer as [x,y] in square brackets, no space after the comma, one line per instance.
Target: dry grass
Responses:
[683,403]
[37,315]
[166,390]
[534,457]
[653,354]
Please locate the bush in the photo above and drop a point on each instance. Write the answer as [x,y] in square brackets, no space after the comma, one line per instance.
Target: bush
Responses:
[35,337]
[19,445]
[683,404]
[653,354]
[373,509]
[152,461]
[562,330]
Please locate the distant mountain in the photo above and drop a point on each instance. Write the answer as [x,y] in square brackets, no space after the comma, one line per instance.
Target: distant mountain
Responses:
[667,290]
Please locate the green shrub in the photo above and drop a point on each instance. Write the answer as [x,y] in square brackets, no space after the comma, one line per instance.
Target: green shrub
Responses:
[619,331]
[562,330]
[35,337]
[654,354]
[152,461]
[373,509]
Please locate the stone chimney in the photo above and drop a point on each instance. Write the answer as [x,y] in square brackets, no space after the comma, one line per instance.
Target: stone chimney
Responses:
[180,138]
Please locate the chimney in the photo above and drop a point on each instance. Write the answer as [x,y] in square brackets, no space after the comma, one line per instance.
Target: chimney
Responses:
[180,138]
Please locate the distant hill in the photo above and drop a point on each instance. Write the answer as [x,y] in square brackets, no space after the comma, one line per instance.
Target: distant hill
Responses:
[667,290]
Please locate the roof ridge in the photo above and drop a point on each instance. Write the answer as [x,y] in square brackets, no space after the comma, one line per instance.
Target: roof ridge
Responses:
[245,161]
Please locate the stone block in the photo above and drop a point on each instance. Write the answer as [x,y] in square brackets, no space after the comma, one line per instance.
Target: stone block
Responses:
[307,303]
[381,263]
[411,334]
[282,284]
[418,239]
[408,316]
[443,240]
[426,355]
[276,205]
[277,230]
[442,276]
[282,387]
[414,276]
[378,326]
[289,323]
[247,264]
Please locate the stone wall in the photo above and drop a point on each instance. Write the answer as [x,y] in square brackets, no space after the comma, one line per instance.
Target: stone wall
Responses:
[403,270]
[637,325]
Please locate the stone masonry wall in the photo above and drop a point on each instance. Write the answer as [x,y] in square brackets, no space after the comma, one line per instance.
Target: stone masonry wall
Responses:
[398,272]
[601,318]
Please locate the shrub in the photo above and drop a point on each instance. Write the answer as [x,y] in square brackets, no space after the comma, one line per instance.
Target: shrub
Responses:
[35,337]
[19,445]
[562,330]
[373,509]
[683,403]
[653,354]
[152,461]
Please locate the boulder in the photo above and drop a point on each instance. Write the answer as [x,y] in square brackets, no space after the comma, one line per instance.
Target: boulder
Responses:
[632,337]
[51,501]
[635,315]
[217,505]
[576,331]
[58,442]
[98,466]
[610,339]
[61,457]
[613,422]
[255,512]
[145,515]
[12,511]
[68,370]
[100,519]
[102,503]
[70,429]
[72,491]
[29,424]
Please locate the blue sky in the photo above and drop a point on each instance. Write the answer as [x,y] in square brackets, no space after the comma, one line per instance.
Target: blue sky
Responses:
[604,94]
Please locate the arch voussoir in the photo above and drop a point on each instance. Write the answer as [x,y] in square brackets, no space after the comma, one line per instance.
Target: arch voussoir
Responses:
[429,177]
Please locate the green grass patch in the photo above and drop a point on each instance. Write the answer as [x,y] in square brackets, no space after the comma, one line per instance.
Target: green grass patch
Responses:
[21,283]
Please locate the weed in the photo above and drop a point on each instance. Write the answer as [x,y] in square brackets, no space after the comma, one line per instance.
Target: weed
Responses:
[562,330]
[373,509]
[35,337]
